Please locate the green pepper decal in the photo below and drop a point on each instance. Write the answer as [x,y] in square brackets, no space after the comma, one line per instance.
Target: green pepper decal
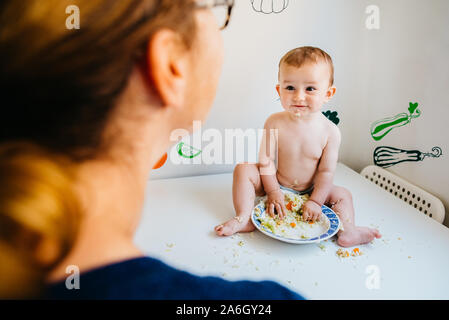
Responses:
[388,156]
[187,151]
[332,116]
[381,128]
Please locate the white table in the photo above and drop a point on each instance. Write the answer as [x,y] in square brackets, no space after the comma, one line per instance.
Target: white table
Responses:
[411,261]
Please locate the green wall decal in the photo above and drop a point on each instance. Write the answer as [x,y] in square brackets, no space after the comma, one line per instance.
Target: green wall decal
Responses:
[187,151]
[269,6]
[332,116]
[381,128]
[388,156]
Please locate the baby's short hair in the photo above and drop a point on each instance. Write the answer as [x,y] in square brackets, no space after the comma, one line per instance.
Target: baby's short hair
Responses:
[297,57]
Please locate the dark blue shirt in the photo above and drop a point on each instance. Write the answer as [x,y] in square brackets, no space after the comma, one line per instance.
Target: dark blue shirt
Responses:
[148,278]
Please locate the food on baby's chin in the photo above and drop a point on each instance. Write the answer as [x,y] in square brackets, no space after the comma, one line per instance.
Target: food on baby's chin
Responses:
[293,224]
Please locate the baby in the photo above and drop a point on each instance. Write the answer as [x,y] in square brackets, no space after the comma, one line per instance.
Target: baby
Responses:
[305,145]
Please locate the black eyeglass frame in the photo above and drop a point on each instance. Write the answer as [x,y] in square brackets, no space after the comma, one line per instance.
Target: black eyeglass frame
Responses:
[209,4]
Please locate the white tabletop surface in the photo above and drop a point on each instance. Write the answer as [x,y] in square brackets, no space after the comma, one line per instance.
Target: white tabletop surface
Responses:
[411,260]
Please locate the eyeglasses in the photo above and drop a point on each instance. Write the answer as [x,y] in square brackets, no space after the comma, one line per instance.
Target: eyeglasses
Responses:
[220,8]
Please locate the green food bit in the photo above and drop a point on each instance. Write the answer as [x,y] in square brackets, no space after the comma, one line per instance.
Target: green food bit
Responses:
[268,226]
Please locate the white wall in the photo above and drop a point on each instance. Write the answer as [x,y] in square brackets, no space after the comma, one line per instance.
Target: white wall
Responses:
[377,74]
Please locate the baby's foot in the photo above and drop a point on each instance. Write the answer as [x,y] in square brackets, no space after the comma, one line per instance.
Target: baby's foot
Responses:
[234,225]
[357,235]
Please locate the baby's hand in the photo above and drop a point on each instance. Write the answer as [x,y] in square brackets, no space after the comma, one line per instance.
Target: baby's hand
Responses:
[275,201]
[311,211]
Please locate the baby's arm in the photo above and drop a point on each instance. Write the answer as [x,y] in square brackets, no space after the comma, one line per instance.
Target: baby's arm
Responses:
[324,176]
[267,168]
[267,157]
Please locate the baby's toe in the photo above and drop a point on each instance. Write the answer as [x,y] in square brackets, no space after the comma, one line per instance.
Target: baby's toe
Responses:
[377,234]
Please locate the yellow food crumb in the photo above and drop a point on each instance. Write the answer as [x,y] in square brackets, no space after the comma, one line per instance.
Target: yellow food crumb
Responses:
[345,253]
[241,243]
[342,253]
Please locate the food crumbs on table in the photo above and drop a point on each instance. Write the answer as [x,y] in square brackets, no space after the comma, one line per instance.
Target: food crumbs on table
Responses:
[316,284]
[356,252]
[399,239]
[342,253]
[409,257]
[241,243]
[170,245]
[322,247]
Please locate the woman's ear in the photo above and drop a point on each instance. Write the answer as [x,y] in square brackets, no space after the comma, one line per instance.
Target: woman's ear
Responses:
[167,63]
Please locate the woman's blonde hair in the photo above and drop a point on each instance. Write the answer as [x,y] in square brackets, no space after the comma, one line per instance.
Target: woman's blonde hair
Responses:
[37,206]
[58,88]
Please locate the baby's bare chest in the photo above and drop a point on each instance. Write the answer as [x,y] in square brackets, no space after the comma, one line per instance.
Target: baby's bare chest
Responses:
[301,144]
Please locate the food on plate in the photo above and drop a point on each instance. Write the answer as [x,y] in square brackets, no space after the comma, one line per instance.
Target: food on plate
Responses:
[293,225]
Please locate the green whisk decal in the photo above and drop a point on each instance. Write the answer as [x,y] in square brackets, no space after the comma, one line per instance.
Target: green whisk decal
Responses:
[388,156]
[381,128]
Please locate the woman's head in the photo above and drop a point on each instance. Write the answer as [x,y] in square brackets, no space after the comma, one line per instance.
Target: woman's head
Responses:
[61,90]
[61,85]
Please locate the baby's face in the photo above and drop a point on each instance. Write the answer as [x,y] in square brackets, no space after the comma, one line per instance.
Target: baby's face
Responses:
[304,90]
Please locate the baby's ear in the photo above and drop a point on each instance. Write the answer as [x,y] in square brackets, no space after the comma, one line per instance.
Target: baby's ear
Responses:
[330,92]
[278,89]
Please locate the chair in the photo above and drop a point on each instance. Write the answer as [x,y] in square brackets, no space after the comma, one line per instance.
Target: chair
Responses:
[404,190]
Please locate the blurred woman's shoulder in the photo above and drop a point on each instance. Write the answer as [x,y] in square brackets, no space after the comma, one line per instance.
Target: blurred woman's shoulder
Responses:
[149,278]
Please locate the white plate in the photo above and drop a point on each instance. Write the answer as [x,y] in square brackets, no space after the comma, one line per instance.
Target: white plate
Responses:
[328,213]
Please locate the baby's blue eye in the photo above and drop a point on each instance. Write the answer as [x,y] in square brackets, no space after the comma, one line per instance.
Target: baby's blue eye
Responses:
[310,89]
[290,88]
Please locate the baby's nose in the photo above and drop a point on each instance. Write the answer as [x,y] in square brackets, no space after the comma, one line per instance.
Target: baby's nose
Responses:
[299,95]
